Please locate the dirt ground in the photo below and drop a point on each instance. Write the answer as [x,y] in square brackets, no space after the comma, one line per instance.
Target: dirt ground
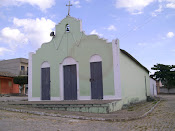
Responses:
[162,118]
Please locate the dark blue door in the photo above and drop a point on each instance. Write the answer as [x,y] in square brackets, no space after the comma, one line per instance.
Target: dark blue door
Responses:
[45,83]
[96,80]
[70,82]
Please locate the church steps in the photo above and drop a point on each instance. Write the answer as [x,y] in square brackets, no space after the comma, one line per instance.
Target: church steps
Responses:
[90,109]
[68,105]
[93,106]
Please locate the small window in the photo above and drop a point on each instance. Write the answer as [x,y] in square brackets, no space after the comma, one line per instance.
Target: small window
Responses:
[22,68]
[67,28]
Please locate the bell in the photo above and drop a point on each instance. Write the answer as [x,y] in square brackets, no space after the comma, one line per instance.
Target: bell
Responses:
[67,29]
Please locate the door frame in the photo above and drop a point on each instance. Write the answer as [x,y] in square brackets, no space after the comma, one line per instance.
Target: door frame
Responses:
[45,64]
[68,61]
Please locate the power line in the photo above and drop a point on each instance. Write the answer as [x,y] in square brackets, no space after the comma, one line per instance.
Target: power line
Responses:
[149,19]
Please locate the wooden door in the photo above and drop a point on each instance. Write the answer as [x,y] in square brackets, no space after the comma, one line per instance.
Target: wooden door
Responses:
[70,82]
[96,80]
[45,85]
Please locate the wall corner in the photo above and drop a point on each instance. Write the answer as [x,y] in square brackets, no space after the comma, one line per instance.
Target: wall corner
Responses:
[116,66]
[30,77]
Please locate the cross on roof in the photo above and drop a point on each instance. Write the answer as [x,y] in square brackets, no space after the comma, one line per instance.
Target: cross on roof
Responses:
[69,7]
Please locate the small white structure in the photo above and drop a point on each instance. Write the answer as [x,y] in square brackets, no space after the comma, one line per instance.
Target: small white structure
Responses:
[153,89]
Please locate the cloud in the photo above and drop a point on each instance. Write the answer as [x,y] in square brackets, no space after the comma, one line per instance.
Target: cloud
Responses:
[136,7]
[27,31]
[76,3]
[111,28]
[157,11]
[13,37]
[42,4]
[170,35]
[133,6]
[36,30]
[94,32]
[137,13]
[170,5]
[4,50]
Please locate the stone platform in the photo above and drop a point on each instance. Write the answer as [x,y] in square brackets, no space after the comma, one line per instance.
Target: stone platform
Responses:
[91,106]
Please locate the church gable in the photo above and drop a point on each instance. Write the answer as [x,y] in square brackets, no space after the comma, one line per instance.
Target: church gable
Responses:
[68,32]
[69,41]
[65,43]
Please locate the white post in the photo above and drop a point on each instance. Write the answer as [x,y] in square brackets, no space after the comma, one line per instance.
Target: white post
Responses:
[30,77]
[116,66]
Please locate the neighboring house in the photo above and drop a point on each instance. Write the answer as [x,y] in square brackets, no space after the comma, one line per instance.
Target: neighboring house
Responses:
[18,67]
[76,66]
[6,84]
[153,88]
[158,85]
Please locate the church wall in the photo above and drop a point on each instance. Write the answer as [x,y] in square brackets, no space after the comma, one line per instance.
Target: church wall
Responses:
[77,45]
[46,54]
[94,46]
[133,80]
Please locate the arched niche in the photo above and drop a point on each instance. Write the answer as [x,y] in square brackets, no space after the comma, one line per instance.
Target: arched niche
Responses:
[95,58]
[45,64]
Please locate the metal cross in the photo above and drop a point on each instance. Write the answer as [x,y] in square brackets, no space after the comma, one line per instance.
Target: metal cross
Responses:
[69,7]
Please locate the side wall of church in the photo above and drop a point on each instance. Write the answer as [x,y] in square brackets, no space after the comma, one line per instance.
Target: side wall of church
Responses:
[133,79]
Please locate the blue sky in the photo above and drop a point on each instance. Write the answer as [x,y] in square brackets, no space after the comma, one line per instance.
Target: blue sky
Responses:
[145,28]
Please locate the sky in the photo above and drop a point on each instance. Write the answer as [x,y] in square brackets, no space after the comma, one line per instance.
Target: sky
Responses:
[145,28]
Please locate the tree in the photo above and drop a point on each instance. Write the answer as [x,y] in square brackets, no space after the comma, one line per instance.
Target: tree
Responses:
[21,80]
[165,73]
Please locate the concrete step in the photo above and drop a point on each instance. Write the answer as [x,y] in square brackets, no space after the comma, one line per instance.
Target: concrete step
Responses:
[68,105]
[92,106]
[78,102]
[90,109]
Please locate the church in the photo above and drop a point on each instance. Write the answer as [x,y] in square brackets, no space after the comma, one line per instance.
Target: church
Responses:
[74,66]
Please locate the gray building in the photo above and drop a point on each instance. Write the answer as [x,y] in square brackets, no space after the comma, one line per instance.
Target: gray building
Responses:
[18,66]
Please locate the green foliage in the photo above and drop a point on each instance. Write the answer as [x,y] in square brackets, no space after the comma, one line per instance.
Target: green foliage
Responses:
[21,80]
[165,73]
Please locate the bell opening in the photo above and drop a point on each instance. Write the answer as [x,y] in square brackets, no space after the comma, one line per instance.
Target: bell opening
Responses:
[67,28]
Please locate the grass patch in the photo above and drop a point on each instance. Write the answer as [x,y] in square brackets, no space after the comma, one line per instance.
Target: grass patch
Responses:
[131,108]
[154,102]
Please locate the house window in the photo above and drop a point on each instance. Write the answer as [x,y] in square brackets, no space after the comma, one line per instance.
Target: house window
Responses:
[22,68]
